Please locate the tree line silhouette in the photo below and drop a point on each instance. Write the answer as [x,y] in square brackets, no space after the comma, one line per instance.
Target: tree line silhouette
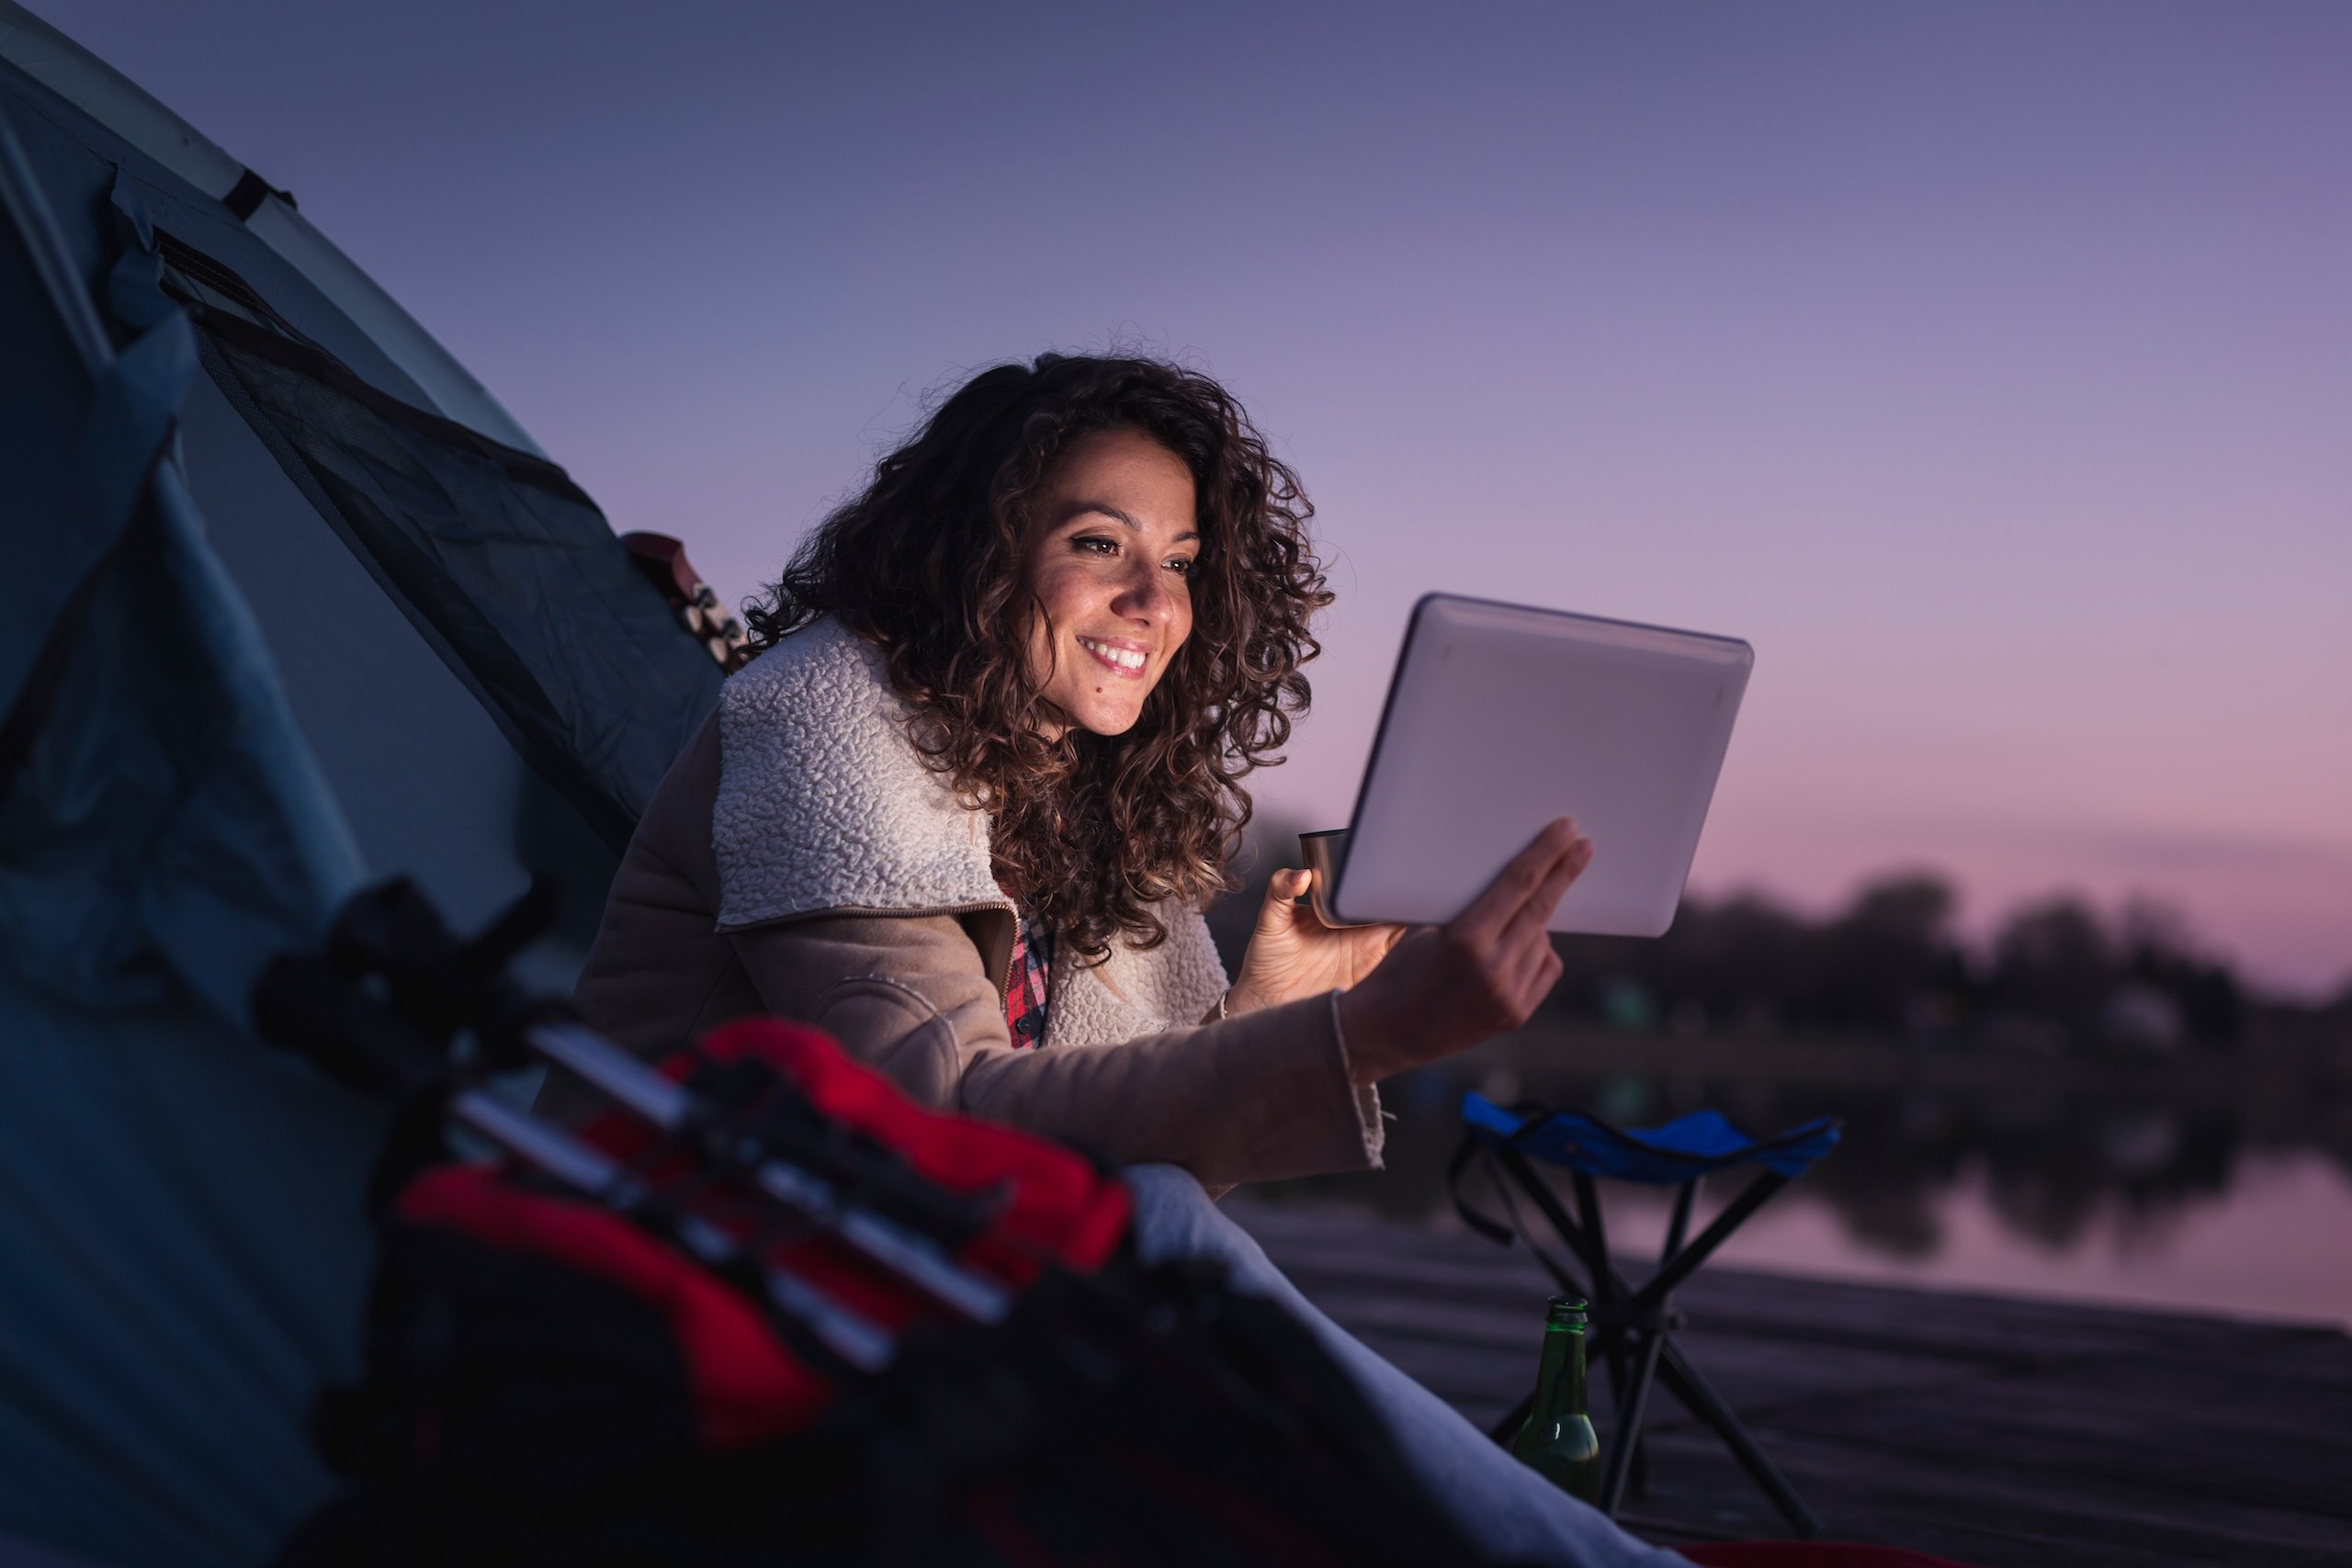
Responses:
[2057,976]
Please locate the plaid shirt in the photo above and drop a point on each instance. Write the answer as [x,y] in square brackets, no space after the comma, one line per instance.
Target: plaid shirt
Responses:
[1024,999]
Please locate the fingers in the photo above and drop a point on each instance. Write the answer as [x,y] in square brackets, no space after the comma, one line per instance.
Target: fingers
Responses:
[1516,883]
[1539,985]
[1528,932]
[1441,989]
[1531,918]
[1524,964]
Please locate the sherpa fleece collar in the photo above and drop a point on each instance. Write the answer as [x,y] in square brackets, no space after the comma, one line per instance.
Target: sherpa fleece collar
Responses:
[824,806]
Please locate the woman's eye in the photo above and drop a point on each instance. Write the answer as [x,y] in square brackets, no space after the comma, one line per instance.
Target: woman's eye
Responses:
[1182,566]
[1095,544]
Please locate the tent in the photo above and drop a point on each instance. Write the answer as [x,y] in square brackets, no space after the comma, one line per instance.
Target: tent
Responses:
[291,604]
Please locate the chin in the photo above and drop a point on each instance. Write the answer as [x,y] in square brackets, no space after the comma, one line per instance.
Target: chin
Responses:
[1108,724]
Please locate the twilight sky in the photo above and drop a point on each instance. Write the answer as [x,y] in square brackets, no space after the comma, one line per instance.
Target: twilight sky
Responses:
[1988,367]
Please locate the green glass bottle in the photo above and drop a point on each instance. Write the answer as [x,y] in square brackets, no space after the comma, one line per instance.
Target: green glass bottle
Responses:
[1558,1442]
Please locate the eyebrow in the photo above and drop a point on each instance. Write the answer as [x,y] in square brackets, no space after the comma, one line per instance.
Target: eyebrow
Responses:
[1080,508]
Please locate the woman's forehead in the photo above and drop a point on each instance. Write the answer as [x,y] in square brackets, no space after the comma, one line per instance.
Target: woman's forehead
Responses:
[1123,477]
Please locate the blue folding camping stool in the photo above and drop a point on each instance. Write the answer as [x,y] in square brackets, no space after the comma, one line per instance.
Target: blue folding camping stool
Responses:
[1632,1330]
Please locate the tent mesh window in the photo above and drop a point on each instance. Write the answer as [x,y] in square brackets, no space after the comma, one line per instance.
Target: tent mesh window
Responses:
[502,564]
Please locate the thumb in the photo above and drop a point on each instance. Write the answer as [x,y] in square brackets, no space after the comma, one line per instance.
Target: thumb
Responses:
[1281,888]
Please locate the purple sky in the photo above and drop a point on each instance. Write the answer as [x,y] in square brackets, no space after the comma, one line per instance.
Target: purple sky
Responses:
[1989,367]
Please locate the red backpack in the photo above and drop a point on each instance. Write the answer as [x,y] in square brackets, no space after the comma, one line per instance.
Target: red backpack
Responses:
[773,1312]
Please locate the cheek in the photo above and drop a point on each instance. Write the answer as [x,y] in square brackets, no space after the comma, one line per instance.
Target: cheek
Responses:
[1066,590]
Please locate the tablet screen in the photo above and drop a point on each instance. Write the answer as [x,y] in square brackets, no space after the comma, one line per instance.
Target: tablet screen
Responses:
[1502,718]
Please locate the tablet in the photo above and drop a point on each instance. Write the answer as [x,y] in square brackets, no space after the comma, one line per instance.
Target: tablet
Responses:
[1502,718]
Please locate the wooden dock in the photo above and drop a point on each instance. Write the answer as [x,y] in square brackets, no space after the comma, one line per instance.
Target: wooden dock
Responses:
[1993,1430]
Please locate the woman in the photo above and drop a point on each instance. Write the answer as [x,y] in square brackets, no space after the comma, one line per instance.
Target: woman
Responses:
[1024,673]
[964,809]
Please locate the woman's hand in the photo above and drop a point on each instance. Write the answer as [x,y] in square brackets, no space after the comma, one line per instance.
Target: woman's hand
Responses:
[1292,955]
[1444,989]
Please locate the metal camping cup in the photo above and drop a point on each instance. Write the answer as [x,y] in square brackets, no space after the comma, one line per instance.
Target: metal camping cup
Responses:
[1324,854]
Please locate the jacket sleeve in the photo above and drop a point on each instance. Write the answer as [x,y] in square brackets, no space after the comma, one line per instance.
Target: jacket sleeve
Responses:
[1251,1099]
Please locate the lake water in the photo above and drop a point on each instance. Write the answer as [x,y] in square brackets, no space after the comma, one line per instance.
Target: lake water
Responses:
[2278,1243]
[2216,1187]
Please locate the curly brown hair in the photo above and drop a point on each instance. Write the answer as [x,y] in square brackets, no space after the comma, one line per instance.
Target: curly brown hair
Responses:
[1090,833]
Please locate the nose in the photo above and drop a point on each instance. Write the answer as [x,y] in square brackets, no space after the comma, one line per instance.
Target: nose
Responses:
[1143,593]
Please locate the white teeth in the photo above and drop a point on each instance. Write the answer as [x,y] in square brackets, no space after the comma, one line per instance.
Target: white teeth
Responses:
[1124,658]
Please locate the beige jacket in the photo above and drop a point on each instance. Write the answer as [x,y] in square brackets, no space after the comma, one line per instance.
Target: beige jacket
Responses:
[800,859]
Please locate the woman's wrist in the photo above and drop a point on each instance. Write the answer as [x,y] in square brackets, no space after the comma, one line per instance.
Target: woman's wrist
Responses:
[1230,1003]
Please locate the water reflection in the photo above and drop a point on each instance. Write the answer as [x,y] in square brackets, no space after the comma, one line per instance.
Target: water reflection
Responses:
[2072,1157]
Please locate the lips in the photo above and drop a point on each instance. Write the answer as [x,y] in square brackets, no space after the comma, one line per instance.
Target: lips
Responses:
[1119,656]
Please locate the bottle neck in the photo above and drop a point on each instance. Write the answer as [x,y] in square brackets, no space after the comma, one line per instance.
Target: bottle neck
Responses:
[1559,1376]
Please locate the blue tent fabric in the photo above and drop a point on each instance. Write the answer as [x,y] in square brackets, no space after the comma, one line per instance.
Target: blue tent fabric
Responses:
[184,1266]
[180,1256]
[1681,1150]
[167,800]
[216,720]
[600,716]
[501,564]
[499,560]
[84,166]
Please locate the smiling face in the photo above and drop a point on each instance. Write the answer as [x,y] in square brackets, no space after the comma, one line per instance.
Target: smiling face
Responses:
[1112,538]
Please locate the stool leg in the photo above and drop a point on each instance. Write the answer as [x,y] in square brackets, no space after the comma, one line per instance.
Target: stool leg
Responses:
[1604,1288]
[1572,1236]
[1588,1211]
[1699,1397]
[1679,1225]
[1614,1363]
[1629,1425]
[1638,1468]
[1577,1241]
[1686,1259]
